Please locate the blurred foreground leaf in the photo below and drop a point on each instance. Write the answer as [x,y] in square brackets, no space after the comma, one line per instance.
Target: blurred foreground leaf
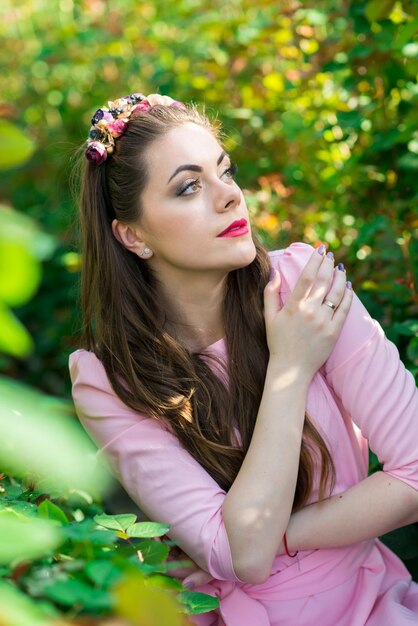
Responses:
[146,606]
[16,146]
[22,247]
[26,538]
[76,593]
[38,435]
[14,338]
[17,609]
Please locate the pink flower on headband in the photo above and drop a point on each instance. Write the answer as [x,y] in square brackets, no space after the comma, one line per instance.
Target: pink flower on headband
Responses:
[178,104]
[155,99]
[142,107]
[117,128]
[109,123]
[96,152]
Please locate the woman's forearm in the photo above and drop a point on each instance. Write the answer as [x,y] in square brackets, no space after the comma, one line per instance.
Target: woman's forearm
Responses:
[373,507]
[258,505]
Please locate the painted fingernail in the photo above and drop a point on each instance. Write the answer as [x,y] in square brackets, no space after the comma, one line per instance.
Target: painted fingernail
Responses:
[330,256]
[321,249]
[341,267]
[348,284]
[271,273]
[189,585]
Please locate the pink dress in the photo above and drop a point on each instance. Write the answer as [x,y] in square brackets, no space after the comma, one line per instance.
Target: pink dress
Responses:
[363,392]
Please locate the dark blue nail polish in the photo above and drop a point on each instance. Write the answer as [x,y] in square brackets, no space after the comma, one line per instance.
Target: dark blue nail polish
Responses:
[341,267]
[321,249]
[348,284]
[189,585]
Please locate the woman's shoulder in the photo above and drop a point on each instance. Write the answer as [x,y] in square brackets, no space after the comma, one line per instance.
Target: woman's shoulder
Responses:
[86,368]
[290,262]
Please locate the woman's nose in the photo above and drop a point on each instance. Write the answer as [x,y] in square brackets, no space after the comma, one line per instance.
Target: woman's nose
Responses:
[228,196]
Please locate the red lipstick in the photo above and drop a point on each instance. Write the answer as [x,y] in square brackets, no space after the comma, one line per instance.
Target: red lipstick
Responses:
[237,228]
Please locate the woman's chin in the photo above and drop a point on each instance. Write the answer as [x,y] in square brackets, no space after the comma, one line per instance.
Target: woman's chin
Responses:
[246,256]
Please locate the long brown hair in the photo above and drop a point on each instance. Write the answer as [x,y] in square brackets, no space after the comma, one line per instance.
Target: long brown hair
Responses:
[124,324]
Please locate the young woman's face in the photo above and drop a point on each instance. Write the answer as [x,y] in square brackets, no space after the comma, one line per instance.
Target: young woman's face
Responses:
[194,214]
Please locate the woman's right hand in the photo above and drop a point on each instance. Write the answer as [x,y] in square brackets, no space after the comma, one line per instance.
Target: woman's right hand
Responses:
[303,333]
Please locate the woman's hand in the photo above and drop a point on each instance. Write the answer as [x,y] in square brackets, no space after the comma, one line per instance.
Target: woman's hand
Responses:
[190,576]
[303,333]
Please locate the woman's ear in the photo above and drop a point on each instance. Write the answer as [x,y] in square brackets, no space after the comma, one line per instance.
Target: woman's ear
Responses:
[130,239]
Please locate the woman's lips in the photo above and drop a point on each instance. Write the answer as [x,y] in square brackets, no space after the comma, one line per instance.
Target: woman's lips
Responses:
[236,229]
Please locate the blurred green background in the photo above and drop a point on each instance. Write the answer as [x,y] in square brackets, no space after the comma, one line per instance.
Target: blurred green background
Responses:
[318,100]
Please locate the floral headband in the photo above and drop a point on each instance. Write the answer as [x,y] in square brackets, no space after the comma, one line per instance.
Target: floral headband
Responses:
[109,123]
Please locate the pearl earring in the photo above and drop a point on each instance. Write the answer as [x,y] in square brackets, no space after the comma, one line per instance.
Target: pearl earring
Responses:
[145,251]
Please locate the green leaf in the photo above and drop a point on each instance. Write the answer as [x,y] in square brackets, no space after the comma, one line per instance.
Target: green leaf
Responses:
[405,33]
[196,602]
[49,510]
[20,272]
[407,327]
[14,338]
[146,606]
[378,9]
[16,146]
[115,522]
[12,492]
[77,593]
[17,609]
[163,582]
[25,508]
[86,532]
[408,161]
[23,230]
[39,434]
[103,573]
[26,538]
[153,552]
[147,529]
[412,350]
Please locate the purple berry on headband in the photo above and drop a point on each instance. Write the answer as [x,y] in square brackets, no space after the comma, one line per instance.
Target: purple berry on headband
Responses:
[95,134]
[116,111]
[96,152]
[97,117]
[134,98]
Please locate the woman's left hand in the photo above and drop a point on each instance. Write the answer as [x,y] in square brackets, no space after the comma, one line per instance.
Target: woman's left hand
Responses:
[191,576]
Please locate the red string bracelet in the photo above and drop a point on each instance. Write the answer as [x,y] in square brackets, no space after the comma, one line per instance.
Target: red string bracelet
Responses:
[286,549]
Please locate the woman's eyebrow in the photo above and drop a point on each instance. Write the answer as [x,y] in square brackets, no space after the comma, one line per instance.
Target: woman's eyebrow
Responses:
[195,168]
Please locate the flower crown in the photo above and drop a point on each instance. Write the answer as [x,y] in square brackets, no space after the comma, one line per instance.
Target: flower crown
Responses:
[109,123]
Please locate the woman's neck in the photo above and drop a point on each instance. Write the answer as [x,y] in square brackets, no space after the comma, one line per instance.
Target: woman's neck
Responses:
[194,312]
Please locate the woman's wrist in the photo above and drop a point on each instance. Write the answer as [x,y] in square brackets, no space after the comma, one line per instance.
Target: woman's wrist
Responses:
[288,374]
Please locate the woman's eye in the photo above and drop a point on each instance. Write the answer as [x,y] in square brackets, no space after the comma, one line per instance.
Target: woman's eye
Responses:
[189,187]
[231,171]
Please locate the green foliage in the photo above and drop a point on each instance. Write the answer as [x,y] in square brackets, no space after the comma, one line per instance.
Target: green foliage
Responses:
[318,101]
[74,559]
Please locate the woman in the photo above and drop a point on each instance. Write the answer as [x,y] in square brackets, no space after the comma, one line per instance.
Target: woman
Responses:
[232,405]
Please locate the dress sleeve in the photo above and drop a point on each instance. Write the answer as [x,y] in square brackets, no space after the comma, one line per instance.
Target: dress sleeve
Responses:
[367,377]
[164,480]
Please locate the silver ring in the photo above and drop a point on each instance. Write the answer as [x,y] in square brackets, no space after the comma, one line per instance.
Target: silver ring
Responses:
[330,304]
